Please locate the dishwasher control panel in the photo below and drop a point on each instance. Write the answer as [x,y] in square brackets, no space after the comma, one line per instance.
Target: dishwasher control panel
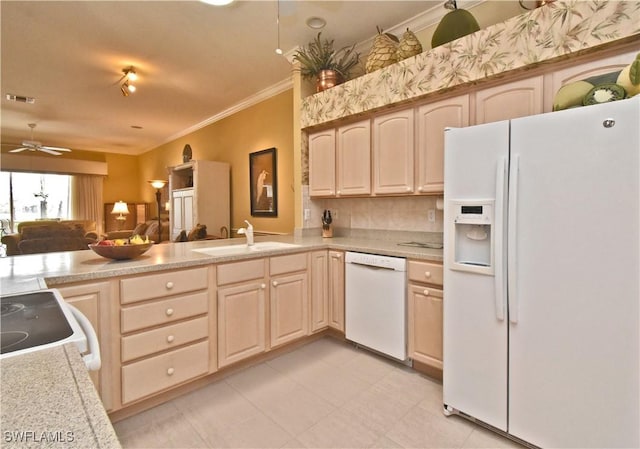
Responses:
[375,260]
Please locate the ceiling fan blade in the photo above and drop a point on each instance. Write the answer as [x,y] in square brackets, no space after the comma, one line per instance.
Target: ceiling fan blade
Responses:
[66,150]
[47,150]
[18,150]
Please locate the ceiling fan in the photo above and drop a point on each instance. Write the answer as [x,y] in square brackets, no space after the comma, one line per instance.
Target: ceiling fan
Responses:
[33,145]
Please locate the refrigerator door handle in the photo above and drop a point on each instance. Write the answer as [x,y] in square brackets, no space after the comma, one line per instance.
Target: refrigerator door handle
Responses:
[498,235]
[512,254]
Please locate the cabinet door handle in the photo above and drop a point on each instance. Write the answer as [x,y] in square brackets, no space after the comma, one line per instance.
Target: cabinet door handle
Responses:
[420,189]
[263,286]
[274,283]
[427,274]
[337,256]
[169,285]
[425,292]
[169,311]
[338,192]
[170,372]
[170,339]
[408,189]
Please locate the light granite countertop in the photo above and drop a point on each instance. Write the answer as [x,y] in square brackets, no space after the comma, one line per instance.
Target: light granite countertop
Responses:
[23,273]
[49,401]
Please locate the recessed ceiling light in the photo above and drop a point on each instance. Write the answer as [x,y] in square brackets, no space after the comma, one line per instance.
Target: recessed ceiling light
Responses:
[217,2]
[316,22]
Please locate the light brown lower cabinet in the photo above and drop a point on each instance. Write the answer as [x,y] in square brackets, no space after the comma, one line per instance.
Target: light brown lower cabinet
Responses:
[425,325]
[424,312]
[241,322]
[160,372]
[289,303]
[319,291]
[94,300]
[336,290]
[166,337]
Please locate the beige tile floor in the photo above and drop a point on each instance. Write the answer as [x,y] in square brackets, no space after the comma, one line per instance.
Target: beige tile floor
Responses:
[327,394]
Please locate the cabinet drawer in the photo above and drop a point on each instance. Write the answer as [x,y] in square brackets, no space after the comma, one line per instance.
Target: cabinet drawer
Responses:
[157,373]
[167,337]
[288,264]
[427,272]
[162,312]
[162,284]
[247,270]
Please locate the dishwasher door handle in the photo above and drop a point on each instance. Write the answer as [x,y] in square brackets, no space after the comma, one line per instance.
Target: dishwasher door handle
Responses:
[371,267]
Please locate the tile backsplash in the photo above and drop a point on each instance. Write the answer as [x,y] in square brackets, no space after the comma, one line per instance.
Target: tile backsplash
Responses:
[382,213]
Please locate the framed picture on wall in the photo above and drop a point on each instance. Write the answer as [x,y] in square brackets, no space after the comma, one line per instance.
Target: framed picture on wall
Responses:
[263,183]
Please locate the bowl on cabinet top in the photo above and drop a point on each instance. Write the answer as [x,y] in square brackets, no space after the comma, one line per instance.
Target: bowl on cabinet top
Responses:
[121,252]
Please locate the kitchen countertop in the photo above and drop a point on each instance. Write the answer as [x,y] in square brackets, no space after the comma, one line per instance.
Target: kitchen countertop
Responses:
[49,401]
[18,272]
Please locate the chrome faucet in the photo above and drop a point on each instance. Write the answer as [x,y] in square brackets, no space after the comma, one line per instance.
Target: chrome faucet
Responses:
[248,231]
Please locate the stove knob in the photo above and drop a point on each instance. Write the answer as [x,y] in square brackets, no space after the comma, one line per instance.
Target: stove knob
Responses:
[170,372]
[170,339]
[169,312]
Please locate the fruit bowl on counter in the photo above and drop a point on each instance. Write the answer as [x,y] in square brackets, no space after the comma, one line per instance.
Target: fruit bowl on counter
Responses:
[121,249]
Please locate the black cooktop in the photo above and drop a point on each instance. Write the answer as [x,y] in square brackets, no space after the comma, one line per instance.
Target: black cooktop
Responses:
[31,319]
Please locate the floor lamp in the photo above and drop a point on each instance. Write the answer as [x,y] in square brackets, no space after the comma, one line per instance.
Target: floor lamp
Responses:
[158,184]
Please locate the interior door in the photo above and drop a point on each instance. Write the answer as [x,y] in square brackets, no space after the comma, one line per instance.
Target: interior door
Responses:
[574,343]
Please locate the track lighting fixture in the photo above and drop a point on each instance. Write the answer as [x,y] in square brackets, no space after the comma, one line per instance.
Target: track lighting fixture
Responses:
[129,76]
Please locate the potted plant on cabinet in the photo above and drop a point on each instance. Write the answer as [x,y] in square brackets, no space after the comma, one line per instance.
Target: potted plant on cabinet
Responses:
[328,66]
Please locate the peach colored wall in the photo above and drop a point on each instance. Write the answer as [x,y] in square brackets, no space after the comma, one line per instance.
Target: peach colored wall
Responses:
[122,183]
[265,125]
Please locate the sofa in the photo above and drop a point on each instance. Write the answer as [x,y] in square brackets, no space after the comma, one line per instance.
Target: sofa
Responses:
[147,229]
[44,236]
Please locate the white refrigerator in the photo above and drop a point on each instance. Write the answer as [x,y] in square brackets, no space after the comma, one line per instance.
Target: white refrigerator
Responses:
[542,276]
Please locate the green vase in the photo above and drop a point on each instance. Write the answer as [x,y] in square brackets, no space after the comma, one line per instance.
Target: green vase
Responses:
[454,25]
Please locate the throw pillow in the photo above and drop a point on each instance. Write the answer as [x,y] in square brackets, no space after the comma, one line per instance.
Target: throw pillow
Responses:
[152,232]
[182,237]
[198,233]
[139,229]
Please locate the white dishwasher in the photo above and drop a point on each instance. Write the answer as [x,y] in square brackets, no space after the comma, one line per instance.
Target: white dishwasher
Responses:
[375,303]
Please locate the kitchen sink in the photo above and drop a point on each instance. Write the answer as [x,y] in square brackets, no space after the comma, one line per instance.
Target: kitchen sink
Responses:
[229,250]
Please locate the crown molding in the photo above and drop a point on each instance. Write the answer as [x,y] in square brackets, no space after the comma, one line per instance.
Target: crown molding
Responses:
[419,22]
[265,94]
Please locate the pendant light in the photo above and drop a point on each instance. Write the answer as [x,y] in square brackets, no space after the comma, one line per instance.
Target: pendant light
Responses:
[278,49]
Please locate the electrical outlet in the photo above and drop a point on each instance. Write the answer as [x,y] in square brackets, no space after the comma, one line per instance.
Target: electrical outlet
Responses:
[431,215]
[307,214]
[334,214]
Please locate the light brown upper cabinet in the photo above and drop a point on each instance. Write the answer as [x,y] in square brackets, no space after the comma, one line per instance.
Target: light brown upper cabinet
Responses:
[432,119]
[393,148]
[511,100]
[353,166]
[322,163]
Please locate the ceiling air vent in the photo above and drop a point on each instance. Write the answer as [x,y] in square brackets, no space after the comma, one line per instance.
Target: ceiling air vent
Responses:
[21,98]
